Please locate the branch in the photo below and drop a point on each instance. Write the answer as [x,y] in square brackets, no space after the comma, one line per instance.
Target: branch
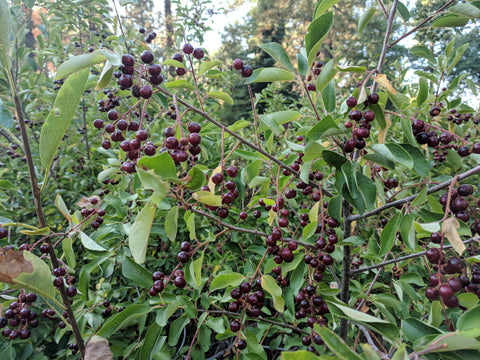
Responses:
[346,270]
[244,141]
[409,199]
[411,256]
[244,230]
[385,47]
[408,33]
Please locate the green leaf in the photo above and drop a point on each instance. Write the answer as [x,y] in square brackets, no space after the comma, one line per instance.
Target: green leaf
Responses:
[329,97]
[336,344]
[309,230]
[140,232]
[123,319]
[162,164]
[326,75]
[302,64]
[379,115]
[276,51]
[322,6]
[420,199]
[349,174]
[175,63]
[6,119]
[422,93]
[176,329]
[67,247]
[273,121]
[221,96]
[469,320]
[298,355]
[58,120]
[5,29]
[270,75]
[239,125]
[325,127]
[334,208]
[395,153]
[380,160]
[179,84]
[456,56]
[25,270]
[365,19]
[207,65]
[105,76]
[465,9]
[223,280]
[89,243]
[197,271]
[415,329]
[450,20]
[313,150]
[60,204]
[422,51]
[420,164]
[152,343]
[79,62]
[316,34]
[153,182]
[137,273]
[334,158]
[407,230]
[42,231]
[389,232]
[171,221]
[195,178]
[381,326]
[403,11]
[165,312]
[355,69]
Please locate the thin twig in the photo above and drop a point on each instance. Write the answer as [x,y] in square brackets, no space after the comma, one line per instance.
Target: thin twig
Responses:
[411,256]
[408,33]
[409,199]
[346,270]
[385,47]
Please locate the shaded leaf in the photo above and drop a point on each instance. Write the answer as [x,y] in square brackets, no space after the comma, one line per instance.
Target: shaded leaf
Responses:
[365,19]
[422,51]
[322,6]
[137,273]
[6,119]
[336,344]
[122,319]
[389,233]
[326,75]
[171,221]
[422,93]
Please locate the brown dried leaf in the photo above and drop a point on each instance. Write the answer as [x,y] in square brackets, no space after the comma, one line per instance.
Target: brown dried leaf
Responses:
[449,228]
[382,80]
[85,202]
[98,349]
[382,134]
[12,264]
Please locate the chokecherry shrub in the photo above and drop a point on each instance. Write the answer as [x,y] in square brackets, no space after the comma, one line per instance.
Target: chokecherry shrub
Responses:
[347,225]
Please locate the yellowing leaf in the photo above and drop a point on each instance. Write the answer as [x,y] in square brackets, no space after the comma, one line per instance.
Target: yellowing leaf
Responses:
[313,213]
[271,217]
[449,228]
[382,133]
[269,284]
[211,185]
[382,80]
[208,198]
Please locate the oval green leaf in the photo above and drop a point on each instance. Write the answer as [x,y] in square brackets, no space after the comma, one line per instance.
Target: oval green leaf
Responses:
[276,51]
[207,65]
[269,284]
[270,75]
[221,96]
[140,232]
[224,280]
[179,84]
[60,116]
[79,62]
[316,34]
[365,19]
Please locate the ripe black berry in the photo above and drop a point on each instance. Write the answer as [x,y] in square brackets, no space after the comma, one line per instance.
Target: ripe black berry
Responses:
[198,53]
[247,71]
[147,57]
[187,48]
